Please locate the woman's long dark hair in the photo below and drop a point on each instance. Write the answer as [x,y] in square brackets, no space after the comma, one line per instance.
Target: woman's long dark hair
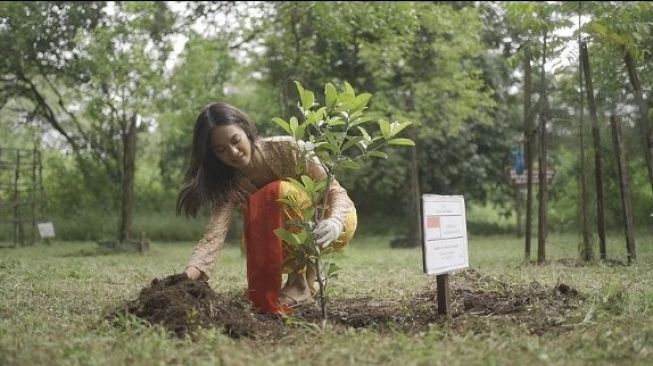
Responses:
[208,180]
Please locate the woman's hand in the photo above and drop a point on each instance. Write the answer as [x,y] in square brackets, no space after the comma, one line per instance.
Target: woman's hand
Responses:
[193,273]
[327,231]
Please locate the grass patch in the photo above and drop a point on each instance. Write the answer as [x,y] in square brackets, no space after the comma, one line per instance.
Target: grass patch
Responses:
[53,300]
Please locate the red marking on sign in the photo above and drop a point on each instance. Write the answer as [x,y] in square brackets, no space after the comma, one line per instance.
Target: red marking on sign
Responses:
[432,222]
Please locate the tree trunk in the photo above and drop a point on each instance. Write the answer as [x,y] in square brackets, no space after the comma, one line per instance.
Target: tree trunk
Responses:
[542,185]
[598,159]
[414,236]
[33,195]
[528,149]
[624,189]
[518,210]
[586,247]
[644,127]
[18,239]
[129,158]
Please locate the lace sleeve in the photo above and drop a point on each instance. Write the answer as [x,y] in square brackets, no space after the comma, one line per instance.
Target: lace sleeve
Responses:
[209,247]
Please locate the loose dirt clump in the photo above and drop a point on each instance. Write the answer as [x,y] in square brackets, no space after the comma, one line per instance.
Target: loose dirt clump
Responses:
[182,306]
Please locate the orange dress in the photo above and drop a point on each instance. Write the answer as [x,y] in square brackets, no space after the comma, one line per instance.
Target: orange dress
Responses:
[282,157]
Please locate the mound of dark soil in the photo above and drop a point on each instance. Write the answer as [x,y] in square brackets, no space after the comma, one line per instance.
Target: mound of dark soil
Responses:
[182,306]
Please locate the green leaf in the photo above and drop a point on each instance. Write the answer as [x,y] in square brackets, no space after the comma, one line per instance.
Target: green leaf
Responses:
[396,127]
[301,236]
[344,101]
[330,95]
[316,116]
[299,132]
[287,236]
[367,137]
[300,90]
[332,271]
[360,102]
[385,128]
[401,141]
[353,140]
[306,97]
[349,164]
[308,100]
[335,122]
[308,183]
[283,124]
[378,154]
[349,89]
[331,147]
[297,184]
[354,116]
[293,125]
[320,185]
[311,119]
[309,213]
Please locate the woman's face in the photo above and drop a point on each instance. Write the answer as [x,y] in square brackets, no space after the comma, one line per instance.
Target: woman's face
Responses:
[230,144]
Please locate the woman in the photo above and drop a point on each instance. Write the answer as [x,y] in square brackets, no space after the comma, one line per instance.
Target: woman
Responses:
[231,167]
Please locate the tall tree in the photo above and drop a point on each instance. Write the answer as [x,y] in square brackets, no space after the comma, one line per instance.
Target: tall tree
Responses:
[94,90]
[126,54]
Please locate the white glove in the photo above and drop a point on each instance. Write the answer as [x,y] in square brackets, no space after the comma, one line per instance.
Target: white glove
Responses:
[327,231]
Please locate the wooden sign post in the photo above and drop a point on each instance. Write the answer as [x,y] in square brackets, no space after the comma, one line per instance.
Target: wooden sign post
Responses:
[445,242]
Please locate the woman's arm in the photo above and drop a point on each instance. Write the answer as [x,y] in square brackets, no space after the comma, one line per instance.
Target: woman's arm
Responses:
[208,248]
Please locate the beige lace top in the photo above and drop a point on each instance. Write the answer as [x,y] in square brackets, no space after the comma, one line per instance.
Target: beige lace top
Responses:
[281,157]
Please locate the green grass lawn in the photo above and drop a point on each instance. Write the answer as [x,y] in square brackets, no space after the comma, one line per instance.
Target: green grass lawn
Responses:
[53,299]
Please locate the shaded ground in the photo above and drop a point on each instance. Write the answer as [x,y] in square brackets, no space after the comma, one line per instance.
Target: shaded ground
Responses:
[182,306]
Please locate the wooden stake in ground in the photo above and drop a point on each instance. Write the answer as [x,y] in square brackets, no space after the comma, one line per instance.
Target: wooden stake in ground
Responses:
[444,305]
[598,159]
[622,168]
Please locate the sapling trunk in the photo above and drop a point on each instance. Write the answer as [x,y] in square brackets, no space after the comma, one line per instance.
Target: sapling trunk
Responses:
[319,268]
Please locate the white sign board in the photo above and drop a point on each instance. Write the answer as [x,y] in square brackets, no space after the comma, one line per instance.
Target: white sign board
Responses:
[46,230]
[444,231]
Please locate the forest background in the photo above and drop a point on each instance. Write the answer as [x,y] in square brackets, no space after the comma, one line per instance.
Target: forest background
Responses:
[108,92]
